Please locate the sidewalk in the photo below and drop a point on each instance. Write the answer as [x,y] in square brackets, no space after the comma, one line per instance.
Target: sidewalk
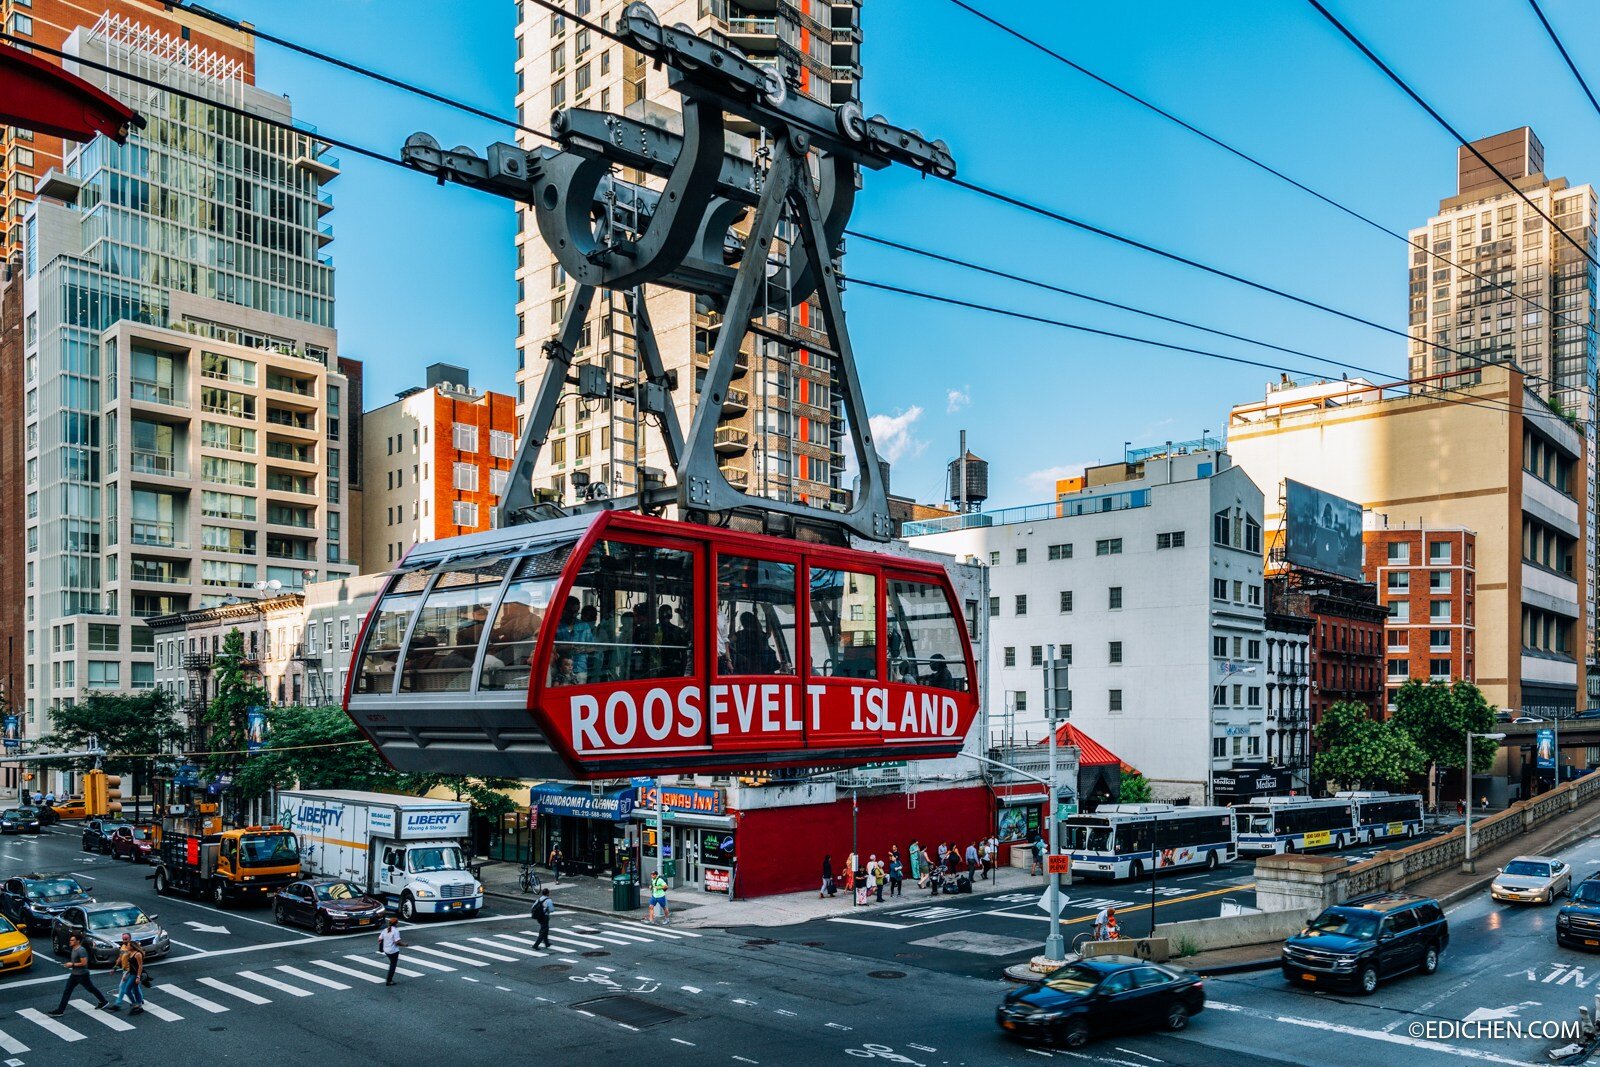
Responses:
[695,909]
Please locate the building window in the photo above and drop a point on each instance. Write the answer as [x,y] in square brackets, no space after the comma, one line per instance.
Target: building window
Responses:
[464,437]
[1011,656]
[1114,652]
[994,559]
[1169,540]
[1219,647]
[1255,696]
[1438,552]
[1400,668]
[1109,546]
[1114,700]
[464,513]
[501,444]
[1019,700]
[1060,552]
[1439,670]
[1438,581]
[994,607]
[1399,611]
[1219,589]
[1022,555]
[1438,611]
[1064,654]
[1254,647]
[466,477]
[498,480]
[1022,603]
[1399,640]
[1219,695]
[1254,746]
[1399,581]
[1219,748]
[1115,598]
[1399,552]
[1036,656]
[1066,600]
[1439,640]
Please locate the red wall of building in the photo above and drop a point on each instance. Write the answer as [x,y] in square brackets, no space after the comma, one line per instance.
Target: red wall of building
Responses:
[780,850]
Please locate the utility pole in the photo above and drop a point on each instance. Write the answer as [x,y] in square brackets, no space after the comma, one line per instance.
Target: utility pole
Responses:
[1054,946]
[661,839]
[1466,863]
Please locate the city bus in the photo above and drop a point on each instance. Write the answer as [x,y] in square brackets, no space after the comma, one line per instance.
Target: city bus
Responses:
[1270,825]
[1129,840]
[1385,816]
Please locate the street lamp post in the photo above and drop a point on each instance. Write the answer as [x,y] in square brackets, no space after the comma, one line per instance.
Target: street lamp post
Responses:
[1054,944]
[1466,863]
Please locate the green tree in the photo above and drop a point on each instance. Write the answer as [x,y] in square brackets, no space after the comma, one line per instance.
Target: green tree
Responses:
[313,748]
[130,727]
[1356,751]
[1438,717]
[238,690]
[1135,789]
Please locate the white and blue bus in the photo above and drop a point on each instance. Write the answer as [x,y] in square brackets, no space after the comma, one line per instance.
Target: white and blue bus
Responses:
[1385,816]
[1129,840]
[1270,825]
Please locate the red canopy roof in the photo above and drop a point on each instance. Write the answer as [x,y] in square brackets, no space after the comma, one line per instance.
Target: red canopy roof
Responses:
[38,95]
[1090,752]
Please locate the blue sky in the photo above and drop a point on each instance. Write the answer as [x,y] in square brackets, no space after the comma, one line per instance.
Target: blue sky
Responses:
[425,273]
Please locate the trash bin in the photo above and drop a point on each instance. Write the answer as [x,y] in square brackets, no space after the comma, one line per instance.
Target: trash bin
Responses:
[624,893]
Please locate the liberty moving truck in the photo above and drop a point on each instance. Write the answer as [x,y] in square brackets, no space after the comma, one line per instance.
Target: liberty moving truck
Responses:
[404,850]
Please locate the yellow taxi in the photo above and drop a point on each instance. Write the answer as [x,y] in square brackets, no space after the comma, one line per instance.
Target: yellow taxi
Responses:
[16,953]
[71,808]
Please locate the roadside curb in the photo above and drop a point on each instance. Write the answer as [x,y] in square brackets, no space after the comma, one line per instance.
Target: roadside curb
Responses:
[527,902]
[1245,967]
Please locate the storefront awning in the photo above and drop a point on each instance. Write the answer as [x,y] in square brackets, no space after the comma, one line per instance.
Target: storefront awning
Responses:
[556,799]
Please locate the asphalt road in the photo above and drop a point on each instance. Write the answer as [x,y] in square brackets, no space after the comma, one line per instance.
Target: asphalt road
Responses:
[239,987]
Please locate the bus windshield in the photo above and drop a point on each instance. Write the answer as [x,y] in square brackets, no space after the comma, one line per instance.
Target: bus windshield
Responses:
[1258,824]
[1087,838]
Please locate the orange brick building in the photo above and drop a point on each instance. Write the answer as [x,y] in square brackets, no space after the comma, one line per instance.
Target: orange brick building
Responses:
[25,157]
[1427,580]
[435,462]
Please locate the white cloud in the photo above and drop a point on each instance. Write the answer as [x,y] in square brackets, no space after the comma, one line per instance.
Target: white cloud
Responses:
[894,437]
[956,399]
[1043,482]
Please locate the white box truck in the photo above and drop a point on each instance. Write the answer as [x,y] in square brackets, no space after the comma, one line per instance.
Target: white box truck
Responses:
[404,850]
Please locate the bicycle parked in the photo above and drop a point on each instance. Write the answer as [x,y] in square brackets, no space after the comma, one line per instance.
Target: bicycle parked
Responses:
[528,879]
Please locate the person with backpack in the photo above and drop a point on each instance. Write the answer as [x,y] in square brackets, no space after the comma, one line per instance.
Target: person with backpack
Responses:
[827,877]
[897,873]
[556,859]
[543,908]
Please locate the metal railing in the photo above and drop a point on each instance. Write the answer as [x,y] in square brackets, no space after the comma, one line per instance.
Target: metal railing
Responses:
[747,24]
[1066,507]
[150,392]
[147,462]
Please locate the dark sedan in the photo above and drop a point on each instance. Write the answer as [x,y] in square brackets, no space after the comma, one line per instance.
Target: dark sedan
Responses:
[327,905]
[19,821]
[97,835]
[132,843]
[33,901]
[1101,995]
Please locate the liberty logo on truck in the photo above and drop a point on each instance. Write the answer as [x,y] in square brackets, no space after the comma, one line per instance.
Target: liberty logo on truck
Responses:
[313,815]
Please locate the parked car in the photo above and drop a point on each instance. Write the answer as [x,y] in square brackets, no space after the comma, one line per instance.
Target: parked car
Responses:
[327,905]
[19,821]
[1532,879]
[100,928]
[1578,921]
[97,835]
[33,901]
[16,951]
[1367,940]
[136,844]
[1101,995]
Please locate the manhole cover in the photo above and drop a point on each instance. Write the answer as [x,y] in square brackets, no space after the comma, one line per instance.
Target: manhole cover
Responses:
[596,952]
[556,968]
[886,974]
[630,1010]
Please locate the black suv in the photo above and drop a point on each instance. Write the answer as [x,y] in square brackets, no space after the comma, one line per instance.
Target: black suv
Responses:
[32,901]
[1578,921]
[1372,938]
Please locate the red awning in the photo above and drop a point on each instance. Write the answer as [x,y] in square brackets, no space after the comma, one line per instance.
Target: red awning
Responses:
[38,95]
[1090,752]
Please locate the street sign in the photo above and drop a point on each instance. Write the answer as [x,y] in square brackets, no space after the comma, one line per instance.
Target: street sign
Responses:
[1044,901]
[1058,865]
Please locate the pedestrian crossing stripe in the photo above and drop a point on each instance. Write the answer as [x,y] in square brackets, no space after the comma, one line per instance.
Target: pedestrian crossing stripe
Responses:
[607,939]
[152,1008]
[273,983]
[622,933]
[670,935]
[39,1018]
[234,991]
[339,968]
[102,1017]
[506,947]
[193,998]
[447,956]
[650,928]
[404,972]
[10,1045]
[567,941]
[455,947]
[315,979]
[445,967]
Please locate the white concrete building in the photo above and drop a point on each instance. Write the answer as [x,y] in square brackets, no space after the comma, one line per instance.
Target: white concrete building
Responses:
[1148,582]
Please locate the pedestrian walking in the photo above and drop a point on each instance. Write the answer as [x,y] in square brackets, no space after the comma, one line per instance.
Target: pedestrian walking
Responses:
[827,877]
[1039,850]
[897,875]
[556,859]
[1461,808]
[77,966]
[50,798]
[875,875]
[972,857]
[543,908]
[915,858]
[38,798]
[986,853]
[658,899]
[130,961]
[944,851]
[390,944]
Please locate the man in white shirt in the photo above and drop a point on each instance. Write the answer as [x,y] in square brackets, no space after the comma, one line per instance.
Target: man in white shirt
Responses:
[389,944]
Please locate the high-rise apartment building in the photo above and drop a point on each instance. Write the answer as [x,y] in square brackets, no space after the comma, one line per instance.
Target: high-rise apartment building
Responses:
[436,461]
[1489,229]
[782,432]
[185,418]
[26,157]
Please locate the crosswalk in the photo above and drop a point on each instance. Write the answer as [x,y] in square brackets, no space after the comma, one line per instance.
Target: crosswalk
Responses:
[262,984]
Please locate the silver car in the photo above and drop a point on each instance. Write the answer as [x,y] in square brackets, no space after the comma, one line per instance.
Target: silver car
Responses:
[100,928]
[1532,879]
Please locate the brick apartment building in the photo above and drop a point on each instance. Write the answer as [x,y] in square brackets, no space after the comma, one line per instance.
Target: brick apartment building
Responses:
[1427,582]
[1346,638]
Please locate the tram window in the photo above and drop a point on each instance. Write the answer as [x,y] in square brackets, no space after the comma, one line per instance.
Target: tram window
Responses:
[924,637]
[844,624]
[387,631]
[756,616]
[444,643]
[515,631]
[630,616]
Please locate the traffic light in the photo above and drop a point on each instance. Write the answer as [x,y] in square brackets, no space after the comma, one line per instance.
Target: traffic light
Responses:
[94,793]
[111,794]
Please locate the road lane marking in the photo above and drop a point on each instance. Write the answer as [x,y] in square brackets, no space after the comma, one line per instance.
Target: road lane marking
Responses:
[11,1045]
[781,1011]
[1040,1052]
[679,1040]
[339,968]
[690,988]
[454,947]
[1371,1035]
[193,998]
[920,1048]
[741,1059]
[104,1018]
[1119,1048]
[503,947]
[61,1030]
[314,979]
[235,915]
[603,967]
[837,1026]
[234,991]
[273,983]
[625,1026]
[383,966]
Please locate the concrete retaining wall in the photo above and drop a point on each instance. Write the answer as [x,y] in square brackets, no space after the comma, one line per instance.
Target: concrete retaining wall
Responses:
[1231,931]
